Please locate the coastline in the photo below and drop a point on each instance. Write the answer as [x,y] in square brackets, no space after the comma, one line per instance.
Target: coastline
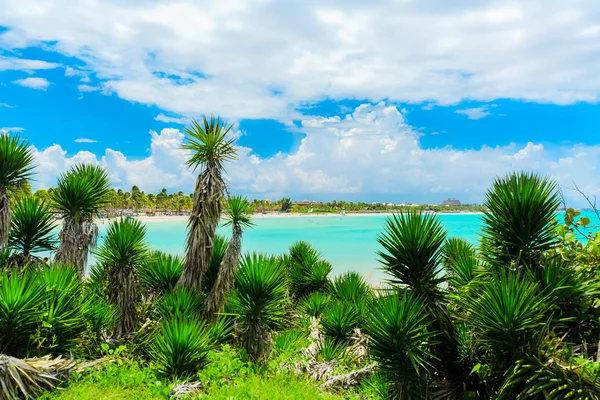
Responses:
[174,218]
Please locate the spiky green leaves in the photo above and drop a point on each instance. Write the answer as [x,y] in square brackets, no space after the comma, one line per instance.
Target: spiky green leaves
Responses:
[81,192]
[307,269]
[181,347]
[124,245]
[32,227]
[412,244]
[239,212]
[400,331]
[160,272]
[519,224]
[208,143]
[16,161]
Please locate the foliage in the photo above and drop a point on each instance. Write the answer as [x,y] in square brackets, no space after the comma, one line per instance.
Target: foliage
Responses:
[21,303]
[314,304]
[519,223]
[399,331]
[239,212]
[330,349]
[183,303]
[288,340]
[339,320]
[32,227]
[308,271]
[286,204]
[412,244]
[160,272]
[577,243]
[220,245]
[181,347]
[258,300]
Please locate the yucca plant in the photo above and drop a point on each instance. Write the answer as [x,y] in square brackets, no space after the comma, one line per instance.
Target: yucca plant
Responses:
[181,347]
[340,319]
[182,303]
[330,349]
[16,164]
[461,263]
[62,313]
[258,300]
[77,198]
[519,222]
[30,377]
[288,340]
[220,245]
[412,253]
[314,304]
[123,252]
[210,148]
[160,272]
[100,315]
[506,313]
[32,229]
[400,338]
[308,271]
[21,305]
[239,212]
[352,288]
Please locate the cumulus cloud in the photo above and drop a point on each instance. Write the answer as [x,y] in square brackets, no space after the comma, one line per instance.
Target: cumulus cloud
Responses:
[8,129]
[171,120]
[476,112]
[85,140]
[23,64]
[264,59]
[371,150]
[33,83]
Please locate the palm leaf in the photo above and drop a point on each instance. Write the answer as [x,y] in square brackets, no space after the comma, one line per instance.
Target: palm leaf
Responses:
[32,227]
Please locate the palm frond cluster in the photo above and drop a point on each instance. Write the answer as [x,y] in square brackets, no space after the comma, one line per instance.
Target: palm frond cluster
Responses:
[513,316]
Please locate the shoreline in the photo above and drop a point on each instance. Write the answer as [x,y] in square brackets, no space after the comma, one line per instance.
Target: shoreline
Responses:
[173,218]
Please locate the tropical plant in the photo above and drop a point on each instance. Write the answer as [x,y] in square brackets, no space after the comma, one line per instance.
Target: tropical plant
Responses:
[307,270]
[30,377]
[258,300]
[519,224]
[183,302]
[339,320]
[240,217]
[210,147]
[288,340]
[32,229]
[412,243]
[160,272]
[21,304]
[352,288]
[314,304]
[330,349]
[62,318]
[220,245]
[16,164]
[123,252]
[461,263]
[400,337]
[181,347]
[77,198]
[100,315]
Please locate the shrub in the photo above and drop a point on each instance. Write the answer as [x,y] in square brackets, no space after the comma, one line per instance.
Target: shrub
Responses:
[160,272]
[314,304]
[340,320]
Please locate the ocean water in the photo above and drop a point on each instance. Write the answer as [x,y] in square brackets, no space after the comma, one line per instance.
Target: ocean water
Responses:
[349,242]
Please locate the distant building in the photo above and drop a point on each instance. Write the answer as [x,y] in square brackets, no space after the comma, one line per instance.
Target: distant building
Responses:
[451,202]
[304,203]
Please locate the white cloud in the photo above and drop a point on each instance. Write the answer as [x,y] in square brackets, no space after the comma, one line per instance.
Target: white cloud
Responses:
[82,75]
[308,50]
[171,120]
[33,83]
[22,64]
[370,152]
[8,129]
[85,140]
[6,105]
[87,88]
[476,112]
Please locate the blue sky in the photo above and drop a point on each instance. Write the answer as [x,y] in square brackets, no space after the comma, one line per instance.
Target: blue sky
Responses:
[325,102]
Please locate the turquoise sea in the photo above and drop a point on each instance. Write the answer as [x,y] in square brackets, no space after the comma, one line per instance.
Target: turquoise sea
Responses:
[349,242]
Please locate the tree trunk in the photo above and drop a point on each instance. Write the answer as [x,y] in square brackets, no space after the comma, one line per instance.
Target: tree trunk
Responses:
[123,291]
[76,240]
[215,302]
[5,218]
[201,227]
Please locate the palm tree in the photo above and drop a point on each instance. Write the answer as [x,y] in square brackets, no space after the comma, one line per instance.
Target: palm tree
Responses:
[124,251]
[16,164]
[32,229]
[239,211]
[210,148]
[519,224]
[78,197]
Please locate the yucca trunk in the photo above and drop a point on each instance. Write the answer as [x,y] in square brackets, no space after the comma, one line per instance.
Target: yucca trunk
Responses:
[123,291]
[215,301]
[258,341]
[76,240]
[5,218]
[202,225]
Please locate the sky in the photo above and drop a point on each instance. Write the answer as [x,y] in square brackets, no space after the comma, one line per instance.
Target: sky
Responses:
[385,100]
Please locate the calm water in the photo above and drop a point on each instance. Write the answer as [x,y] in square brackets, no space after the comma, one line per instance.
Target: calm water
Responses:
[349,242]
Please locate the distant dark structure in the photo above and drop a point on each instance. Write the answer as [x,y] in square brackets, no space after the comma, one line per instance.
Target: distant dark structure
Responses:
[451,202]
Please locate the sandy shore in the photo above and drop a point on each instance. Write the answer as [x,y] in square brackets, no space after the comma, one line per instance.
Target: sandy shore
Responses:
[172,218]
